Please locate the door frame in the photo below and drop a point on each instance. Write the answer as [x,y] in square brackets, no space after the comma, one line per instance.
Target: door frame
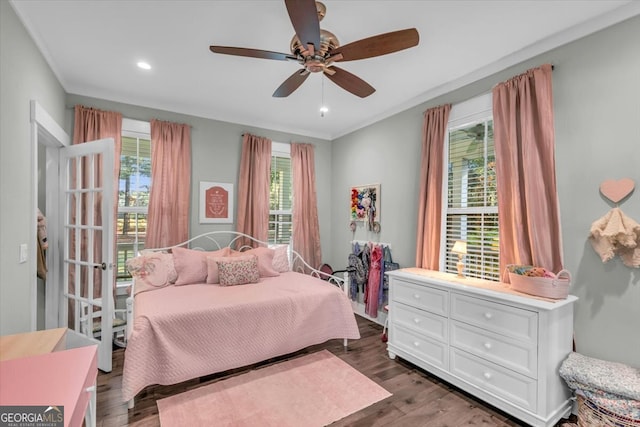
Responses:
[45,131]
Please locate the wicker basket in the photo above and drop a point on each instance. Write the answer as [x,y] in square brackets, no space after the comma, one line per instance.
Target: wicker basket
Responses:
[591,415]
[557,288]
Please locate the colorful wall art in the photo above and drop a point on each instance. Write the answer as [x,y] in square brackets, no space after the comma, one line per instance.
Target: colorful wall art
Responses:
[365,205]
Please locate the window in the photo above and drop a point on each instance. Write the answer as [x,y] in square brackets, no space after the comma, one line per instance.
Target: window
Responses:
[133,193]
[471,212]
[281,194]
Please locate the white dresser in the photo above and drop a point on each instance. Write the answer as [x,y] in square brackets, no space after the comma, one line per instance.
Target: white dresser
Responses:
[499,345]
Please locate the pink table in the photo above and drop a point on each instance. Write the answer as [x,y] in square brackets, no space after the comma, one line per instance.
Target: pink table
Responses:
[62,378]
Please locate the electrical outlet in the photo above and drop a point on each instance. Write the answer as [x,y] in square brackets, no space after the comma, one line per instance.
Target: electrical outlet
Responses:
[24,253]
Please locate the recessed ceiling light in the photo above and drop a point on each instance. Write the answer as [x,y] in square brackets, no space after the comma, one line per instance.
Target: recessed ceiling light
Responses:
[144,65]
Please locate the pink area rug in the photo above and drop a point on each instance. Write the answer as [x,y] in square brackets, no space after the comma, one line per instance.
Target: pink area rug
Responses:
[313,390]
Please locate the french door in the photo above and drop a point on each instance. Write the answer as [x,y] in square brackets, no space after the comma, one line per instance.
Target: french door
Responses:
[86,224]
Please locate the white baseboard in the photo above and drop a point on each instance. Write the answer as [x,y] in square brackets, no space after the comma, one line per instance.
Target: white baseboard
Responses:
[358,308]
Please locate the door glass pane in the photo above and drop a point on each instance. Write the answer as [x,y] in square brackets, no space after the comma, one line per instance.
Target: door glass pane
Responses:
[84,237]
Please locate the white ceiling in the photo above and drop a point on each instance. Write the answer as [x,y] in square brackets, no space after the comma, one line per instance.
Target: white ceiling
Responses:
[93,46]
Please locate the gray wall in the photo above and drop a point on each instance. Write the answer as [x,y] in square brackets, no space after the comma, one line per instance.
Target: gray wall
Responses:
[215,155]
[597,107]
[596,95]
[24,75]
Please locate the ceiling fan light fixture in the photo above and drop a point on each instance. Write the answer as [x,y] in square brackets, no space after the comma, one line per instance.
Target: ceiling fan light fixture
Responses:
[316,50]
[328,42]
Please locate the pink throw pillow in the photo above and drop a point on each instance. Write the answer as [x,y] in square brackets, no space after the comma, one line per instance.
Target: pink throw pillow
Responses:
[213,274]
[191,264]
[265,260]
[238,270]
[153,270]
[281,258]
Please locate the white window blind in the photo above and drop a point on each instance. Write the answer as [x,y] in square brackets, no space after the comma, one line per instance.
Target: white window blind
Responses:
[133,193]
[281,195]
[471,212]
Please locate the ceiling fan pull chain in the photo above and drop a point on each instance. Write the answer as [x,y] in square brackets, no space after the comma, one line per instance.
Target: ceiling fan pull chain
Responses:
[323,108]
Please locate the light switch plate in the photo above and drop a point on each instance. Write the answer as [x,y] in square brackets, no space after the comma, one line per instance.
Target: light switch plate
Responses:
[24,254]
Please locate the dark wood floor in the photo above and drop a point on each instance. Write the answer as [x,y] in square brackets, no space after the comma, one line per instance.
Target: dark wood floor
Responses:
[418,399]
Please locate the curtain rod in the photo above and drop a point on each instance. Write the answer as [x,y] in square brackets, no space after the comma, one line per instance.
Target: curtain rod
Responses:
[72,107]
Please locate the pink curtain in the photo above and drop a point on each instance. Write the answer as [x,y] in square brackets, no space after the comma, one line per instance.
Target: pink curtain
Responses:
[169,198]
[528,208]
[89,125]
[306,229]
[253,188]
[434,130]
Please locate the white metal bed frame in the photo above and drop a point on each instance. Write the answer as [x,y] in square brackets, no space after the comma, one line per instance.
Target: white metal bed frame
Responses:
[210,238]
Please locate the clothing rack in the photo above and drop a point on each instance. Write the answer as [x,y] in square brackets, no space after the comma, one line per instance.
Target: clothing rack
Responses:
[358,305]
[366,242]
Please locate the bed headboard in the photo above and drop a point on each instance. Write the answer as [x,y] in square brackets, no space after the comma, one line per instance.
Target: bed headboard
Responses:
[214,240]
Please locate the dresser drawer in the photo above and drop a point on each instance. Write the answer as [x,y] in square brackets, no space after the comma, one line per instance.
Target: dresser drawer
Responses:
[420,321]
[422,297]
[500,318]
[424,348]
[521,356]
[516,388]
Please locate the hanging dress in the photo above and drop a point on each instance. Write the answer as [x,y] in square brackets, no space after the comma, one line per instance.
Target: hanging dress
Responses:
[365,255]
[381,293]
[373,285]
[387,265]
[358,276]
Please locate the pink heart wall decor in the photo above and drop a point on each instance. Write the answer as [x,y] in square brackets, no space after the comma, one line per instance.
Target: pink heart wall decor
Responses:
[617,190]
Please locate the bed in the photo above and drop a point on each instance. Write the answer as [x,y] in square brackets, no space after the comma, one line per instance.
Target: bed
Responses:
[180,327]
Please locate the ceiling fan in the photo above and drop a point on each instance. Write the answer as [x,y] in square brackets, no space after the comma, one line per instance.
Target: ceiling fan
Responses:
[318,50]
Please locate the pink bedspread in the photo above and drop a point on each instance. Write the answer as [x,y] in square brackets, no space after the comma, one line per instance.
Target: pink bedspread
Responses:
[185,332]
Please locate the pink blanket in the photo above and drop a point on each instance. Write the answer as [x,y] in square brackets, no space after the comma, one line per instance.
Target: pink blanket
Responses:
[185,332]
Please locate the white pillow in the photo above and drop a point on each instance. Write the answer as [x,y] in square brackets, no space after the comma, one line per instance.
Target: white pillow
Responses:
[281,258]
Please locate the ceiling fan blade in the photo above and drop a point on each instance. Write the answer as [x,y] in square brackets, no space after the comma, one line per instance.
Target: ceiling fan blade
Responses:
[252,53]
[350,82]
[381,44]
[291,84]
[304,17]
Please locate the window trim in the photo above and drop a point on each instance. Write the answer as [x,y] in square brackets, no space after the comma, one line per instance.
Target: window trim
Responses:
[136,129]
[281,149]
[462,115]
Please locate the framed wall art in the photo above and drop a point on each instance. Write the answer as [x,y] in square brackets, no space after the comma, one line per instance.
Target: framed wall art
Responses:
[365,204]
[216,202]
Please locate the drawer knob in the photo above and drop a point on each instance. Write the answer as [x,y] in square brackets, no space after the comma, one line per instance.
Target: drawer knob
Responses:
[487,345]
[416,344]
[487,375]
[488,315]
[416,320]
